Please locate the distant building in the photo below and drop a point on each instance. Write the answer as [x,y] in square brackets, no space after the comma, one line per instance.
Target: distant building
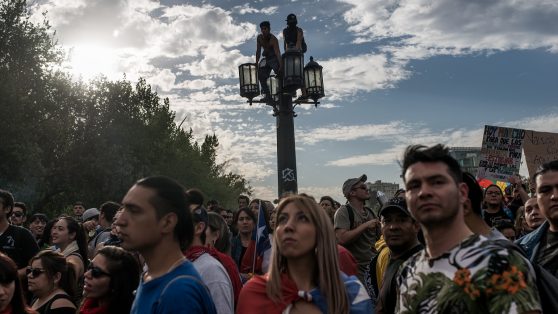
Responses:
[468,158]
[388,189]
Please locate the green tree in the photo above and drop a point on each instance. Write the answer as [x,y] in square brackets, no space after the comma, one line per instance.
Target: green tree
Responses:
[63,141]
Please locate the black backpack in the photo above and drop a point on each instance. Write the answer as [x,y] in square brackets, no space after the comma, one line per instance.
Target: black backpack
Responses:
[547,284]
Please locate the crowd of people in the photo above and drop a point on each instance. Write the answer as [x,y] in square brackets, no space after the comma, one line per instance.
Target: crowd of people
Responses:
[442,244]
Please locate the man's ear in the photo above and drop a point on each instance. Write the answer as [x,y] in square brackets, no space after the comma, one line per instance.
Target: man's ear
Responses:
[168,222]
[463,193]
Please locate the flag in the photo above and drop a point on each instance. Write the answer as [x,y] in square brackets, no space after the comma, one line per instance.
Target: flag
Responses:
[262,234]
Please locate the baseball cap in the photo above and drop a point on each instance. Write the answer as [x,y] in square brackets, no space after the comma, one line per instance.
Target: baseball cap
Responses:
[291,18]
[39,216]
[349,183]
[398,203]
[89,214]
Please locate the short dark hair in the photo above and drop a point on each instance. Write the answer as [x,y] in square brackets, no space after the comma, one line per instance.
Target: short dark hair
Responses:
[171,198]
[195,196]
[7,198]
[248,212]
[22,206]
[544,168]
[79,203]
[109,209]
[475,193]
[243,197]
[437,153]
[265,24]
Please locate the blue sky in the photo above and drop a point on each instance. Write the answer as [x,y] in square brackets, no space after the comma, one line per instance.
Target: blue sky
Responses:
[396,73]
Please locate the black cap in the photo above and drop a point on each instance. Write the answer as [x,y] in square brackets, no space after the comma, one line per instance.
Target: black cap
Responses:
[398,203]
[291,18]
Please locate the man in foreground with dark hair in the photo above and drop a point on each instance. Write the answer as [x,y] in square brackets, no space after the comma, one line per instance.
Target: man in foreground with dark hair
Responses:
[156,222]
[458,271]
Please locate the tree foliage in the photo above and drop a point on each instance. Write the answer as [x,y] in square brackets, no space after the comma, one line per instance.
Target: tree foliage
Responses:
[62,141]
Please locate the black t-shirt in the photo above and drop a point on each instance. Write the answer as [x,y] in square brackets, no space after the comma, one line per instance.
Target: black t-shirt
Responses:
[547,255]
[492,219]
[18,243]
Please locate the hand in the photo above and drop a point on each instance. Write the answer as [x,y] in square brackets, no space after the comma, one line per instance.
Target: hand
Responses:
[514,180]
[373,223]
[89,225]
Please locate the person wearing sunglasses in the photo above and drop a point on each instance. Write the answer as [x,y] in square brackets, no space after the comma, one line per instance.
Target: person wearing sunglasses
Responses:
[19,214]
[110,281]
[52,281]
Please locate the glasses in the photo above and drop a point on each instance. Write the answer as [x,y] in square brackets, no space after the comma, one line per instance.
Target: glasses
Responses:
[17,214]
[35,272]
[96,272]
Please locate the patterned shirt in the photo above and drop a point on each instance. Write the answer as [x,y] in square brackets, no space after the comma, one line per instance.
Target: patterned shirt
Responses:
[477,276]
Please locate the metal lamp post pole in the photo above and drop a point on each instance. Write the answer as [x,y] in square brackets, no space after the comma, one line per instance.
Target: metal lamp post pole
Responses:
[286,155]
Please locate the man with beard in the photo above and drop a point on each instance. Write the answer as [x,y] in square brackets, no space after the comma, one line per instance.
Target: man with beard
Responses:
[458,272]
[37,224]
[357,226]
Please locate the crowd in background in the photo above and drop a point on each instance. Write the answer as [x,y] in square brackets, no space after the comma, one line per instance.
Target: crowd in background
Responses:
[442,242]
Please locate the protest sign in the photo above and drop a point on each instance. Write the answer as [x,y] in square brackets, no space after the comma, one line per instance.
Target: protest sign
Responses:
[539,147]
[500,153]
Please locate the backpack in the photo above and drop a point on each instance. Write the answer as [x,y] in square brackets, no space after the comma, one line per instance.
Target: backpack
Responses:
[547,284]
[352,215]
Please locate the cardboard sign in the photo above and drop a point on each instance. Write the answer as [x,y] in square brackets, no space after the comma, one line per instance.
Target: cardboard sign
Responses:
[500,153]
[539,148]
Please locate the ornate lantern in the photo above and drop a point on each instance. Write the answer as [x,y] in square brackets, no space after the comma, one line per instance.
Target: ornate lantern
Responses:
[313,80]
[292,70]
[249,85]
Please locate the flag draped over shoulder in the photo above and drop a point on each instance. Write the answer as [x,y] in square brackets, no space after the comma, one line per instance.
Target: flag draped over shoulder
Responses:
[253,258]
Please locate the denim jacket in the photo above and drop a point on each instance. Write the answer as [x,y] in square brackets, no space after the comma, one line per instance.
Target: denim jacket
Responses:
[530,242]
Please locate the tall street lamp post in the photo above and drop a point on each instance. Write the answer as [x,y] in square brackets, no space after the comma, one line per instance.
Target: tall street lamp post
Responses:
[282,90]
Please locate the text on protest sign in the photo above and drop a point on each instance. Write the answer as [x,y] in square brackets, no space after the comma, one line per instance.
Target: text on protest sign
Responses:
[539,148]
[500,153]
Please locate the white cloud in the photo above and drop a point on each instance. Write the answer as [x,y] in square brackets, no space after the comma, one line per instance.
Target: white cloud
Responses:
[247,9]
[347,75]
[163,78]
[352,132]
[196,84]
[456,26]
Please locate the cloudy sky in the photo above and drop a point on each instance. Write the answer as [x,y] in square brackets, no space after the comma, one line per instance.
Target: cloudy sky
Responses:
[396,73]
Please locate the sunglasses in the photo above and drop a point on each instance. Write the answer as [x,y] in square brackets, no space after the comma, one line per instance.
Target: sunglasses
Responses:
[17,214]
[35,272]
[96,272]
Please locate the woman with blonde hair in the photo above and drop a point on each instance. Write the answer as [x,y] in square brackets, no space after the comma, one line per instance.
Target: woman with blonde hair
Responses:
[304,273]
